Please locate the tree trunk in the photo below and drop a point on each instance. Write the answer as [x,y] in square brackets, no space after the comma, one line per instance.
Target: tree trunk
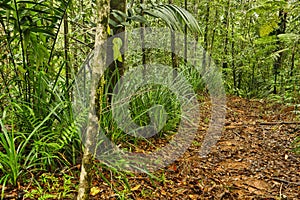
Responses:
[197,34]
[205,38]
[117,66]
[226,21]
[213,35]
[142,25]
[233,57]
[173,47]
[185,35]
[281,30]
[103,10]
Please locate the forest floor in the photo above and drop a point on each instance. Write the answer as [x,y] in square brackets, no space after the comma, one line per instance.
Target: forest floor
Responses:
[252,160]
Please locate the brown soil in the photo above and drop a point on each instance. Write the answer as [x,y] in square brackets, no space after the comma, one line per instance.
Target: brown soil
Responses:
[250,161]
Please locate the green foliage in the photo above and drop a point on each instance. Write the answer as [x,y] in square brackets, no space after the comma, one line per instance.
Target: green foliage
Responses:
[119,180]
[34,146]
[10,164]
[38,131]
[174,16]
[296,145]
[150,96]
[140,104]
[48,186]
[38,62]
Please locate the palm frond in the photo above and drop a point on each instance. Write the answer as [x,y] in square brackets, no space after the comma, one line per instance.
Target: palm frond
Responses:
[175,17]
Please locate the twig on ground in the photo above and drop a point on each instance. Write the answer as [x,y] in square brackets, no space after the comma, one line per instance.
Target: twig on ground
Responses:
[277,123]
[285,181]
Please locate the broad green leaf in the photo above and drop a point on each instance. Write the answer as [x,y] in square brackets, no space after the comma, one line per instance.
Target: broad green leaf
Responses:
[175,17]
[117,45]
[138,18]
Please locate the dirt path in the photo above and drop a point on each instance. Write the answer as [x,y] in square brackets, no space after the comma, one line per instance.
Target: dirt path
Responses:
[250,161]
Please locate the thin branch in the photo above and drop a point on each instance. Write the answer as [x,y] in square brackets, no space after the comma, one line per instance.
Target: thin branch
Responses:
[277,123]
[285,181]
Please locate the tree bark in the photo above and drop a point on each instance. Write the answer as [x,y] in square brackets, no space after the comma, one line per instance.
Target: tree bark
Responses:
[142,25]
[103,10]
[226,21]
[185,35]
[117,66]
[205,38]
[173,47]
[281,30]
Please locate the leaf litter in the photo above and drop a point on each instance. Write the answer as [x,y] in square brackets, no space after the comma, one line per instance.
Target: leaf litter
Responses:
[252,160]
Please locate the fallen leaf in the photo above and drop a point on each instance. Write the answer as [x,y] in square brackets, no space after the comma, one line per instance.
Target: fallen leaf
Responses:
[163,192]
[95,191]
[136,187]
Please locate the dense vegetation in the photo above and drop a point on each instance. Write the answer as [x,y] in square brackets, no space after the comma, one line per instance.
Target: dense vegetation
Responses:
[44,44]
